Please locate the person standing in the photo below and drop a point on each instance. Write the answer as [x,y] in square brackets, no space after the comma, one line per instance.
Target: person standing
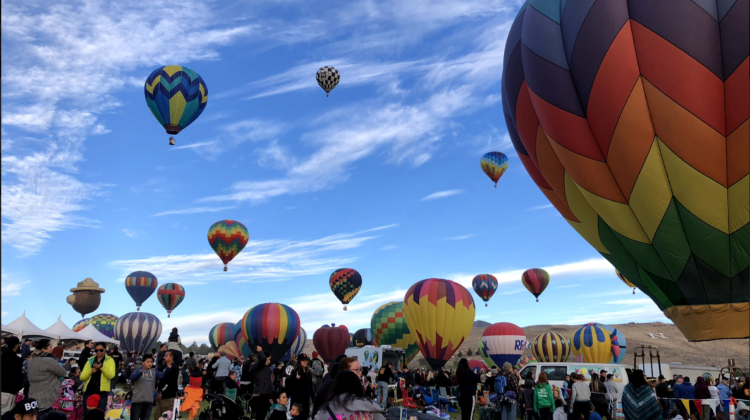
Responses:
[174,343]
[467,388]
[160,357]
[97,375]
[26,349]
[385,376]
[85,353]
[347,400]
[44,373]
[701,389]
[543,399]
[580,397]
[300,387]
[167,385]
[639,400]
[11,366]
[117,358]
[144,382]
[222,367]
[262,386]
[662,394]
[687,390]
[190,362]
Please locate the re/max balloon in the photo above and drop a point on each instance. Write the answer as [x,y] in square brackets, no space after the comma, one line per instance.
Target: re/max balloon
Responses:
[504,342]
[632,119]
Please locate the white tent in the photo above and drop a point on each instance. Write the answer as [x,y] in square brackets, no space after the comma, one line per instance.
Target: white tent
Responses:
[91,333]
[60,331]
[8,330]
[27,329]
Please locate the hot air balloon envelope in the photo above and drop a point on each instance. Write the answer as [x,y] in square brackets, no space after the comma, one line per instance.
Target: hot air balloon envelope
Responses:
[504,342]
[170,296]
[494,164]
[273,327]
[140,286]
[221,334]
[592,344]
[176,96]
[137,331]
[484,286]
[331,342]
[363,337]
[551,347]
[227,238]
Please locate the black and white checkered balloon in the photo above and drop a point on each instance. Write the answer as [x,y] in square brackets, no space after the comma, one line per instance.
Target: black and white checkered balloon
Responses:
[328,77]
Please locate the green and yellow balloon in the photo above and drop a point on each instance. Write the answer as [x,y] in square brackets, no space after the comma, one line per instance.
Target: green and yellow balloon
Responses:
[176,96]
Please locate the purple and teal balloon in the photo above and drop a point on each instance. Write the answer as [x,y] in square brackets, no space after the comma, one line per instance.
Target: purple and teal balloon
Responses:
[484,286]
[140,286]
[137,331]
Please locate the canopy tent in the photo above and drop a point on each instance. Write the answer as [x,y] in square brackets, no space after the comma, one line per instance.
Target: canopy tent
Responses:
[91,333]
[8,330]
[61,331]
[27,329]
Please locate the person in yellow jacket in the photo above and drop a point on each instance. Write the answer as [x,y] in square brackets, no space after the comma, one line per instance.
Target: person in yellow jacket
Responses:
[97,375]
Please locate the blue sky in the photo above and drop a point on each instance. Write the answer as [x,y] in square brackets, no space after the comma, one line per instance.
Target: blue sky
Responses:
[383,176]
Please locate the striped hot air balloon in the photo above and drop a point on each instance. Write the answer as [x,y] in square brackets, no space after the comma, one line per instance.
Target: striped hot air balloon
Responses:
[494,165]
[170,296]
[535,280]
[551,347]
[441,314]
[104,323]
[231,349]
[525,361]
[78,326]
[505,342]
[137,331]
[227,238]
[273,327]
[221,334]
[140,286]
[484,286]
[176,96]
[241,341]
[298,346]
[592,344]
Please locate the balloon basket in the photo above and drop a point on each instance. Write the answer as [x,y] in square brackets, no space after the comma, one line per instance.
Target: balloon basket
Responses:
[171,141]
[169,315]
[345,308]
[225,268]
[138,308]
[537,299]
[326,95]
[496,185]
[634,290]
[485,305]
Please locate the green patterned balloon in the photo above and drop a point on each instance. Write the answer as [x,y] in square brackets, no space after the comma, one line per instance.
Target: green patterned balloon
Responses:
[389,327]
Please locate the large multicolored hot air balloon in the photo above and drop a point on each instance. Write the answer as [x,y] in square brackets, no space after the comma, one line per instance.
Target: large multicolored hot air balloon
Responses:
[624,280]
[221,334]
[331,342]
[170,296]
[592,344]
[176,96]
[273,327]
[535,280]
[241,341]
[227,238]
[137,331]
[525,361]
[298,346]
[388,326]
[78,326]
[345,284]
[494,164]
[441,314]
[551,347]
[140,286]
[363,337]
[231,349]
[504,342]
[484,286]
[327,77]
[632,118]
[482,350]
[104,323]
[619,345]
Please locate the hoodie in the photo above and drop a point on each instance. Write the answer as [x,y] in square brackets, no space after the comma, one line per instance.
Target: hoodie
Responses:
[724,392]
[356,409]
[687,391]
[737,416]
[559,414]
[543,397]
[701,389]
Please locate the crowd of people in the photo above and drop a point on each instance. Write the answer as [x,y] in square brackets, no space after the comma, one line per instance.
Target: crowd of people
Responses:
[305,388]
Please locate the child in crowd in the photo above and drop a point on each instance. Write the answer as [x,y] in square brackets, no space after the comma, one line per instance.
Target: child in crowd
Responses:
[295,411]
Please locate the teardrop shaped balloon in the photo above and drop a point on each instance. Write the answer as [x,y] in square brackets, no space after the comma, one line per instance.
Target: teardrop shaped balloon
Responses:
[494,164]
[624,280]
[441,313]
[176,96]
[170,296]
[140,286]
[221,334]
[137,331]
[484,286]
[535,280]
[345,284]
[327,77]
[389,327]
[227,238]
[273,327]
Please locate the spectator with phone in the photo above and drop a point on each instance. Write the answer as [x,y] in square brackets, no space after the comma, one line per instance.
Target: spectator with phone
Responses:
[97,376]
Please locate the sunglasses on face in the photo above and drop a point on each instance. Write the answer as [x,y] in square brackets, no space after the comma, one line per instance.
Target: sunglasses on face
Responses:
[99,350]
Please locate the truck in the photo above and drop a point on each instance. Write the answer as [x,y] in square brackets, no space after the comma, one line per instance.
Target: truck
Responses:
[372,357]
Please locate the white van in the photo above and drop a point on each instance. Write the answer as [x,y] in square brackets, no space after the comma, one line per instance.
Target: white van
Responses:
[556,372]
[373,358]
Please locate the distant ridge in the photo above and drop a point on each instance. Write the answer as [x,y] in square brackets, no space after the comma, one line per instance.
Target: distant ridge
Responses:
[481,324]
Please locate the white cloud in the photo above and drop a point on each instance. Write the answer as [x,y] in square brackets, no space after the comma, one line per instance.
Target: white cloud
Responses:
[460,237]
[578,269]
[389,247]
[442,194]
[261,260]
[62,63]
[546,206]
[129,233]
[10,287]
[192,210]
[645,310]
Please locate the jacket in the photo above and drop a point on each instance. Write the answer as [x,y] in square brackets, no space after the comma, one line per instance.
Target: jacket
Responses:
[144,383]
[740,406]
[612,389]
[173,342]
[44,375]
[278,412]
[25,350]
[386,375]
[190,362]
[511,382]
[701,389]
[724,392]
[261,379]
[543,397]
[580,393]
[300,390]
[84,357]
[685,391]
[467,383]
[168,383]
[662,390]
[222,367]
[356,409]
[108,372]
[559,414]
[12,367]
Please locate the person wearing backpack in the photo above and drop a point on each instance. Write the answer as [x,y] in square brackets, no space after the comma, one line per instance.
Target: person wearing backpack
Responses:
[500,383]
[544,401]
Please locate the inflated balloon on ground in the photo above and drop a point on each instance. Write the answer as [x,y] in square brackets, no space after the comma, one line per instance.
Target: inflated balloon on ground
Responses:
[504,342]
[388,326]
[362,337]
[331,342]
[104,323]
[273,327]
[221,334]
[632,119]
[592,344]
[551,347]
[137,331]
[619,345]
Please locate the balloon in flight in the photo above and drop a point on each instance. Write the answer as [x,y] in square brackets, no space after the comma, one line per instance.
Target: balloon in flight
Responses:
[494,164]
[327,77]
[227,238]
[535,280]
[176,96]
[484,286]
[140,286]
[345,284]
[170,296]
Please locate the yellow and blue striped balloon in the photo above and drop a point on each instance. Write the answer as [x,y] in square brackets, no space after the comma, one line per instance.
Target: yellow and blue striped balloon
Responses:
[592,344]
[176,96]
[494,164]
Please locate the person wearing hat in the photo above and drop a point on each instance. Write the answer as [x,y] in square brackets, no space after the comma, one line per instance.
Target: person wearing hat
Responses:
[12,367]
[97,375]
[93,410]
[26,409]
[300,385]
